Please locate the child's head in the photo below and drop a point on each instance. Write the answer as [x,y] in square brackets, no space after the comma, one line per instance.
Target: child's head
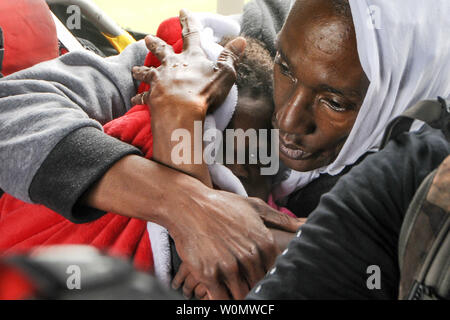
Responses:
[253,111]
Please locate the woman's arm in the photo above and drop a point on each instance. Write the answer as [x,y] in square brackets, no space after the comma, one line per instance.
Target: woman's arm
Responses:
[185,120]
[189,81]
[54,153]
[52,147]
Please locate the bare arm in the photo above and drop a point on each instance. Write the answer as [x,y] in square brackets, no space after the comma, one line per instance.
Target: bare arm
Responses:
[221,237]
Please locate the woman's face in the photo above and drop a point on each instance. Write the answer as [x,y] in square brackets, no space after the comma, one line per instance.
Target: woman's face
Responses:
[319,85]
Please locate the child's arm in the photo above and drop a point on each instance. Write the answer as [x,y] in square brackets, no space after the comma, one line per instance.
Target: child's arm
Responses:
[191,287]
[282,238]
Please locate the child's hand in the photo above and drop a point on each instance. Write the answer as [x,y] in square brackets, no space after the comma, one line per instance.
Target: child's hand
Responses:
[191,287]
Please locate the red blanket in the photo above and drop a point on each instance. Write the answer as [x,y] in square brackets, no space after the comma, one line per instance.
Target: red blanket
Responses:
[24,226]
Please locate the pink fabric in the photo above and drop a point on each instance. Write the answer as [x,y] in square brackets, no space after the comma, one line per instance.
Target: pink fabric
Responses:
[272,203]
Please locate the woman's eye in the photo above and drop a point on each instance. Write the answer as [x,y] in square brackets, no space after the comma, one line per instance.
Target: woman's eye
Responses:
[336,106]
[284,67]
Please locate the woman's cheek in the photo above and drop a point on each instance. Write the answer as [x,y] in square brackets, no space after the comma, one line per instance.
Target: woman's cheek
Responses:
[340,122]
[332,130]
[282,89]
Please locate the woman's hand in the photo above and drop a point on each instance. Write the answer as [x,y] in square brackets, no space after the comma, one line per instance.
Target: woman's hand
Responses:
[182,90]
[221,237]
[188,82]
[194,288]
[228,253]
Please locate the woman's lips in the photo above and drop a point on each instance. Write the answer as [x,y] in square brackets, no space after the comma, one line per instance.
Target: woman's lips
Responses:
[293,152]
[289,150]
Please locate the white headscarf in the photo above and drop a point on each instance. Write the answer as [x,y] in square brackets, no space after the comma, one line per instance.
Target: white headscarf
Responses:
[404,49]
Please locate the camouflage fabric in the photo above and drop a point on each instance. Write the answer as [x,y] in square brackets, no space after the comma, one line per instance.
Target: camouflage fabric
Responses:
[424,242]
[424,246]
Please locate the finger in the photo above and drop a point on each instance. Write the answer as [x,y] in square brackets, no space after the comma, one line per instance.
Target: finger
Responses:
[189,286]
[281,221]
[145,74]
[140,99]
[269,252]
[159,48]
[238,287]
[301,221]
[191,31]
[249,260]
[208,296]
[200,292]
[234,279]
[227,61]
[225,75]
[216,288]
[181,275]
[232,52]
[218,292]
[275,219]
[137,99]
[252,266]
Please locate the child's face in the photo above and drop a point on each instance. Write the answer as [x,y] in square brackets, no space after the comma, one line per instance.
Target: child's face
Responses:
[252,113]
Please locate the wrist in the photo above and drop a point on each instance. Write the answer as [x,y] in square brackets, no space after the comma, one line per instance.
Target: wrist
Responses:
[139,188]
[170,131]
[176,111]
[193,199]
[177,116]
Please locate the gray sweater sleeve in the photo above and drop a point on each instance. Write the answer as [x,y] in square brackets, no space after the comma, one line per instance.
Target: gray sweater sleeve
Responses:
[52,148]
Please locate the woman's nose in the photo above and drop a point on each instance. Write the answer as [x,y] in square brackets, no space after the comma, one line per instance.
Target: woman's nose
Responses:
[296,115]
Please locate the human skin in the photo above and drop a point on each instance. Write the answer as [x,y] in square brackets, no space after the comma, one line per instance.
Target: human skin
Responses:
[221,237]
[179,107]
[251,113]
[319,85]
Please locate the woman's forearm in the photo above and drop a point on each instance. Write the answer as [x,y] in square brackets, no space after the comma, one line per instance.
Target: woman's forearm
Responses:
[139,188]
[164,128]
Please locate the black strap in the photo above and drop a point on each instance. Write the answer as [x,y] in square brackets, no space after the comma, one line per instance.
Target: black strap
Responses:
[436,113]
[2,51]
